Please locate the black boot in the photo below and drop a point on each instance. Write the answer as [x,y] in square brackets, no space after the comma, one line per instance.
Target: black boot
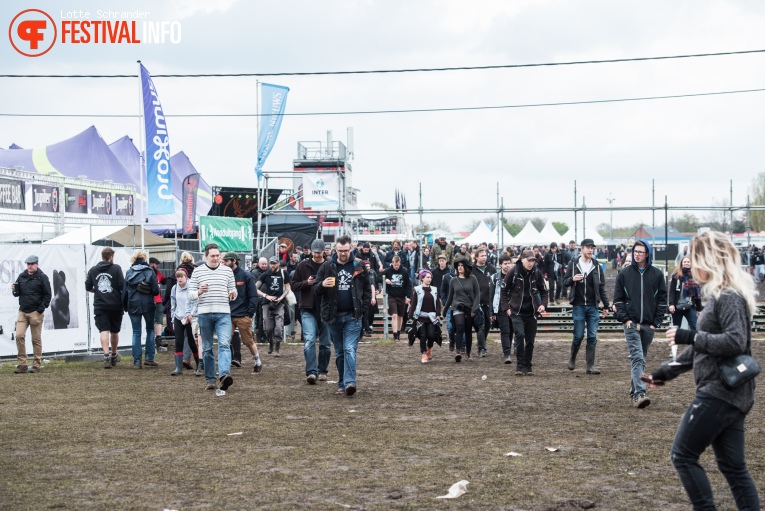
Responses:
[276,350]
[572,361]
[591,369]
[178,366]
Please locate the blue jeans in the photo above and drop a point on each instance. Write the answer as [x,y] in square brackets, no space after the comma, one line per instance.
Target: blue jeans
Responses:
[710,421]
[219,323]
[151,348]
[345,333]
[590,315]
[313,327]
[689,314]
[638,343]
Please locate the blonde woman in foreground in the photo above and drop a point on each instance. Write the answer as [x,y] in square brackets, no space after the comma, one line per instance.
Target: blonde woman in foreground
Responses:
[716,415]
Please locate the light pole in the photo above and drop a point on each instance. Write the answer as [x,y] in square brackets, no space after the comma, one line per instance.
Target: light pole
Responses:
[611,204]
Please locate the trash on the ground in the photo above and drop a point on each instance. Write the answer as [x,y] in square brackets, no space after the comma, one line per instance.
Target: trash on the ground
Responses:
[631,473]
[513,453]
[552,449]
[234,434]
[170,509]
[484,377]
[351,411]
[46,361]
[456,490]
[219,392]
[331,381]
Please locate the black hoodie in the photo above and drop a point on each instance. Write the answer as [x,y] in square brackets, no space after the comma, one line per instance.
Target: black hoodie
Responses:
[106,281]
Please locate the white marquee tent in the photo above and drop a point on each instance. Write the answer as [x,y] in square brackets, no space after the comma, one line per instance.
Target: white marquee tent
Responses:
[528,236]
[482,234]
[507,240]
[550,234]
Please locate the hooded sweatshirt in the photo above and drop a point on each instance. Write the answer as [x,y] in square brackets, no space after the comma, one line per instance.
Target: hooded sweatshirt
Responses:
[106,281]
[640,295]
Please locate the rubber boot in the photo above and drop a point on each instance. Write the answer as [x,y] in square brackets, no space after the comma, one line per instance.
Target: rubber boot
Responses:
[572,361]
[591,369]
[178,365]
[276,349]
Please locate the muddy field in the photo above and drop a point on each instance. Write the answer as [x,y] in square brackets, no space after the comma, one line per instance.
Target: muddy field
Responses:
[79,437]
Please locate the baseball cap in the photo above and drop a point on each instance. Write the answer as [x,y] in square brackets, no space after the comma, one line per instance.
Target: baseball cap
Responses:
[317,246]
[586,242]
[273,259]
[528,254]
[31,260]
[231,255]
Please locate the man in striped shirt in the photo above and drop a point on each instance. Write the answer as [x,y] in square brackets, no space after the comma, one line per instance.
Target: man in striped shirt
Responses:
[213,285]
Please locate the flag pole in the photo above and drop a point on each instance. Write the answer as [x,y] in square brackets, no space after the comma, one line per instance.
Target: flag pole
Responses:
[141,159]
[257,138]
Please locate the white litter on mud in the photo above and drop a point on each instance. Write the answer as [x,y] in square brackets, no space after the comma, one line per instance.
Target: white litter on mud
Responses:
[457,489]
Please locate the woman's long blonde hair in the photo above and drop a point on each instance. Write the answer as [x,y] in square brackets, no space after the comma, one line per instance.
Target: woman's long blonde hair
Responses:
[713,253]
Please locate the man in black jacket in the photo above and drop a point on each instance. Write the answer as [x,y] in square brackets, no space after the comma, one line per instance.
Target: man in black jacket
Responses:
[342,284]
[105,280]
[484,274]
[552,266]
[640,297]
[243,308]
[588,288]
[522,298]
[32,287]
[314,329]
[396,251]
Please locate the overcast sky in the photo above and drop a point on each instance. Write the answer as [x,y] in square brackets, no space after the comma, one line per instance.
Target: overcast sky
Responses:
[692,147]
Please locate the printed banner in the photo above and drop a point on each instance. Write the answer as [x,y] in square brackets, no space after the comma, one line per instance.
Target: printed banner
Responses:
[65,323]
[190,187]
[12,194]
[159,188]
[321,190]
[380,226]
[75,200]
[124,205]
[101,203]
[229,233]
[45,198]
[274,99]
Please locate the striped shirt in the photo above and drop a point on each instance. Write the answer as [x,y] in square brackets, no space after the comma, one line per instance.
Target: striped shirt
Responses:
[220,282]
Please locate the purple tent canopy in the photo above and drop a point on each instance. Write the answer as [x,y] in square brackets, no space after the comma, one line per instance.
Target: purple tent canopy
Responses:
[87,154]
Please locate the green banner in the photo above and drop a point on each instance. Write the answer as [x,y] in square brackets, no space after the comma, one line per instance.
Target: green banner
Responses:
[229,233]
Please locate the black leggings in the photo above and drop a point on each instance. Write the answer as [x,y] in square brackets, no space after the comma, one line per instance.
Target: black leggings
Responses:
[427,335]
[180,330]
[463,324]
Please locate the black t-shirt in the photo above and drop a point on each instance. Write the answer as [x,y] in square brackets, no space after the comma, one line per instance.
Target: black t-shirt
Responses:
[272,284]
[398,281]
[344,296]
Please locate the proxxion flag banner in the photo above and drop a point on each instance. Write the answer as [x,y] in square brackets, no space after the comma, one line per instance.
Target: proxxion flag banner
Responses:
[274,99]
[159,188]
[190,186]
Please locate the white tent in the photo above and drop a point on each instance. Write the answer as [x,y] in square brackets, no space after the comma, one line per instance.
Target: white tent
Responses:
[482,234]
[528,236]
[549,233]
[597,238]
[590,233]
[507,240]
[121,235]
